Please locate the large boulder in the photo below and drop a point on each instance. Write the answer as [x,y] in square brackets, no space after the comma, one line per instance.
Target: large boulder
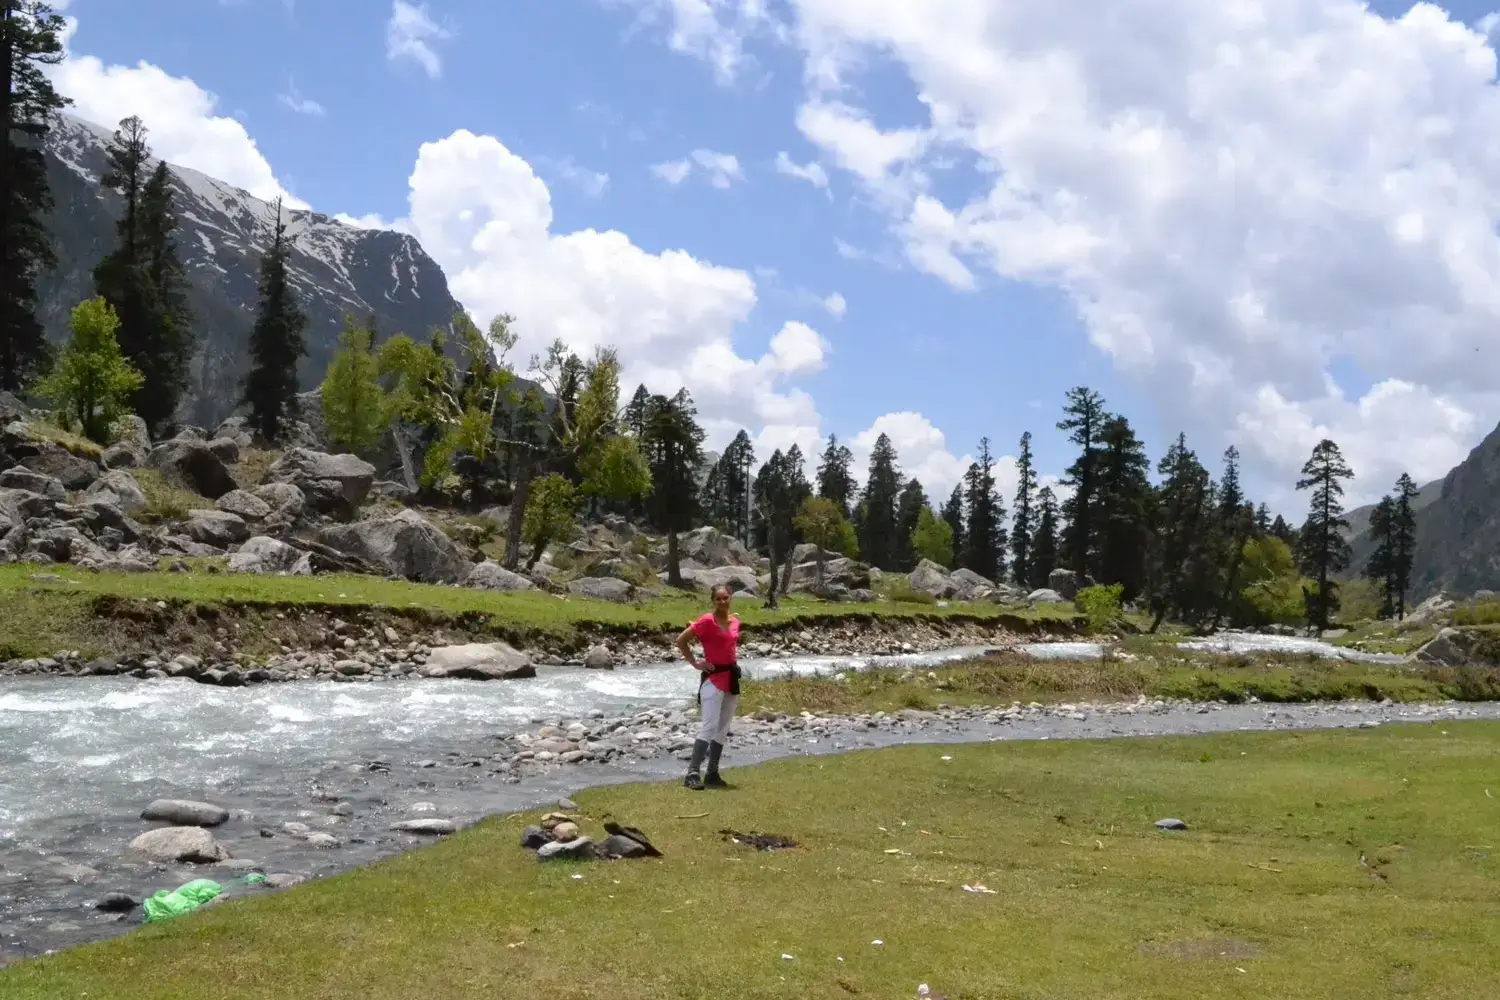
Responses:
[54,460]
[270,556]
[403,544]
[244,505]
[178,843]
[479,661]
[838,571]
[22,478]
[1461,647]
[334,485]
[184,812]
[1067,583]
[217,528]
[968,584]
[1046,596]
[710,547]
[931,578]
[1437,609]
[602,589]
[737,578]
[119,488]
[192,465]
[492,576]
[286,501]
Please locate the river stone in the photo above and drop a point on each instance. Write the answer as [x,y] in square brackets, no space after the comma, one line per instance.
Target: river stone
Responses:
[576,849]
[185,812]
[492,576]
[534,837]
[283,880]
[116,902]
[479,661]
[179,843]
[264,554]
[431,827]
[1046,596]
[1170,824]
[322,841]
[565,832]
[599,658]
[404,544]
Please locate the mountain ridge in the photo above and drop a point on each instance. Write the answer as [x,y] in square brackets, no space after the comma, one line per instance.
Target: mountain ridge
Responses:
[336,268]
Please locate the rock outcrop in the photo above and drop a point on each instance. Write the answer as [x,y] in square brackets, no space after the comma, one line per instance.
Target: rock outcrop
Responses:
[1458,534]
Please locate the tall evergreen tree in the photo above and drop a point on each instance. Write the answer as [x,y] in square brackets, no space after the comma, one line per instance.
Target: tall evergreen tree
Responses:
[734,473]
[1236,526]
[1045,543]
[835,478]
[1382,565]
[798,490]
[1405,532]
[1185,505]
[878,536]
[276,342]
[984,539]
[1023,515]
[30,38]
[1083,419]
[674,447]
[1123,507]
[637,412]
[1324,549]
[143,278]
[953,515]
[909,507]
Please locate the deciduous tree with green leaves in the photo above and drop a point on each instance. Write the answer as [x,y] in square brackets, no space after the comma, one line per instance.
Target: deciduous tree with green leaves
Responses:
[821,523]
[932,539]
[550,510]
[356,412]
[92,381]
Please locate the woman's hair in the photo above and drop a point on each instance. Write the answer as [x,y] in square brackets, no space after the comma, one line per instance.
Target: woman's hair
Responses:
[718,587]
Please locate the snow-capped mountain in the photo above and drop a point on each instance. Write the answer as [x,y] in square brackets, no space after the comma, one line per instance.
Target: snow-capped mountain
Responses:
[336,268]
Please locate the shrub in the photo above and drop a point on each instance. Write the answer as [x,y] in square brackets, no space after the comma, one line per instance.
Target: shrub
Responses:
[1101,605]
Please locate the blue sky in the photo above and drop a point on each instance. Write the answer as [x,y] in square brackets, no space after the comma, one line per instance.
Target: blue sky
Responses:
[578,88]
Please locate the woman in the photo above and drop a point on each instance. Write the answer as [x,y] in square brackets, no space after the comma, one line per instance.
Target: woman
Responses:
[718,687]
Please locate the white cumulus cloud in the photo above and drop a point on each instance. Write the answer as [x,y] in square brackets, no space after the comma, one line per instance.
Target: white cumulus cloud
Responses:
[722,169]
[836,305]
[813,173]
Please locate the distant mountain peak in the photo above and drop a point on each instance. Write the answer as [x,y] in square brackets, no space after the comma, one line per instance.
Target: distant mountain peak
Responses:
[335,268]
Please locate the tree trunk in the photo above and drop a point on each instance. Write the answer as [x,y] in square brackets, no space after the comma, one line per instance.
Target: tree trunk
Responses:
[820,569]
[517,511]
[771,586]
[403,452]
[674,569]
[786,570]
[536,553]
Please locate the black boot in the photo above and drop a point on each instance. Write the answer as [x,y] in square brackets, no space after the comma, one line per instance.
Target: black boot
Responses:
[712,779]
[700,750]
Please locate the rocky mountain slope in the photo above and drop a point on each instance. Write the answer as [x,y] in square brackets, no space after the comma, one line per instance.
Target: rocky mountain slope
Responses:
[335,267]
[1458,533]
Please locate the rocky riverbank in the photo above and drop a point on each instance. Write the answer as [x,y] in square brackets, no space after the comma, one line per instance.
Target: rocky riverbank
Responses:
[370,648]
[358,808]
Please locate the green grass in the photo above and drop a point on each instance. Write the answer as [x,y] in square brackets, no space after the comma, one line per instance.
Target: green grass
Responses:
[1387,637]
[166,501]
[1265,896]
[44,610]
[1002,682]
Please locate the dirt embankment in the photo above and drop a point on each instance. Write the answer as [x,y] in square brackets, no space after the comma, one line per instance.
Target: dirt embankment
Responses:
[261,633]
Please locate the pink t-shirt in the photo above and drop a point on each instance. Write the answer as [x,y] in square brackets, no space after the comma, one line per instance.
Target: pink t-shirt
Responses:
[719,646]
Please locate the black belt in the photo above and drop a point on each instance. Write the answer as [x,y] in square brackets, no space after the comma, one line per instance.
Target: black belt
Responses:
[733,670]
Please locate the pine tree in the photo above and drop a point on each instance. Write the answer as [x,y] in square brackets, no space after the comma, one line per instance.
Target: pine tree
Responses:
[1382,565]
[1324,549]
[1405,548]
[1123,507]
[1023,517]
[835,480]
[1083,419]
[878,538]
[276,342]
[953,516]
[674,448]
[909,507]
[636,413]
[776,512]
[798,492]
[734,478]
[984,537]
[1045,543]
[30,38]
[1185,505]
[1236,526]
[143,278]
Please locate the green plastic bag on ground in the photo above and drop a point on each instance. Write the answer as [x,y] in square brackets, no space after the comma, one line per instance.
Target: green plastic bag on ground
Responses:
[165,905]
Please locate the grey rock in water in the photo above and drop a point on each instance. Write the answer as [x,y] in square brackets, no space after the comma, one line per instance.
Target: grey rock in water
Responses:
[428,827]
[479,661]
[179,843]
[599,658]
[185,812]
